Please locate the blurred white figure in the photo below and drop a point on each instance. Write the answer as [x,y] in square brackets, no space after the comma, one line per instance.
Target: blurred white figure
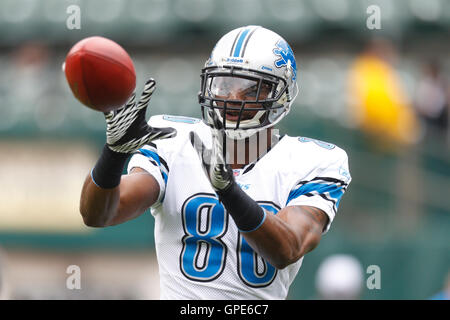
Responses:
[339,277]
[432,97]
[4,291]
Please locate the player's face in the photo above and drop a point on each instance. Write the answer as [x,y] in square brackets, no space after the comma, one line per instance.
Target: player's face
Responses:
[239,89]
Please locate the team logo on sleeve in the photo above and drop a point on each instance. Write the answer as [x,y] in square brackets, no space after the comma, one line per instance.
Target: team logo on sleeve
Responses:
[284,51]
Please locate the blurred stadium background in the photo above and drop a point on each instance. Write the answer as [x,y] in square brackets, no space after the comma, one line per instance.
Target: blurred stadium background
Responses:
[382,95]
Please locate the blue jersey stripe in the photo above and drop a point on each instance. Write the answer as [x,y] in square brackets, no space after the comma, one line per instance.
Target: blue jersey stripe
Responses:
[154,156]
[240,41]
[334,191]
[151,154]
[164,177]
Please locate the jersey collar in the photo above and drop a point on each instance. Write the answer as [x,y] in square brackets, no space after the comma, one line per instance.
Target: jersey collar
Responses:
[251,165]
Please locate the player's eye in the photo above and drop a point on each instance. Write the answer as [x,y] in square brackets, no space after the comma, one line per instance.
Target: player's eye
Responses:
[251,92]
[263,93]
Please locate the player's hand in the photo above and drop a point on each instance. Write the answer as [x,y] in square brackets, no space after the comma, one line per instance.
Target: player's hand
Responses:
[127,129]
[216,169]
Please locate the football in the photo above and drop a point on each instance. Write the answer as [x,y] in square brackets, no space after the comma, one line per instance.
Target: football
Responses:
[100,73]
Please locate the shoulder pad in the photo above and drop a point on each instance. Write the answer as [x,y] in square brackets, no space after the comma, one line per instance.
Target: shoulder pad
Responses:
[322,144]
[173,120]
[180,123]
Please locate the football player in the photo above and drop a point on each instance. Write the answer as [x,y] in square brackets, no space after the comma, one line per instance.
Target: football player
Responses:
[224,228]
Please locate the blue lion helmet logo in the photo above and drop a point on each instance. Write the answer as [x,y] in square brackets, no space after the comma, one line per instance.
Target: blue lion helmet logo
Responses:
[284,51]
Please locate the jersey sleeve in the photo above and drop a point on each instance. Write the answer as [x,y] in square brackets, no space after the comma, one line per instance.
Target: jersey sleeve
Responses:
[156,157]
[150,160]
[325,189]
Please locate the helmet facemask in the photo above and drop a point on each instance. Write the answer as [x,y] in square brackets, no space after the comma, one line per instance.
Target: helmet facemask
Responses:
[245,101]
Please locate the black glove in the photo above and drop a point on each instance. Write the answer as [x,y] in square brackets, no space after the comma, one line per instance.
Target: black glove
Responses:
[126,131]
[126,128]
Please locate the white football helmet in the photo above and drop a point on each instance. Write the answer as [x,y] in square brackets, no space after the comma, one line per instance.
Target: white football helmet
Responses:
[249,81]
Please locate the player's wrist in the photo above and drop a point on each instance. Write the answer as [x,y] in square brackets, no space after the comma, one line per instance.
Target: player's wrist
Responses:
[108,170]
[246,213]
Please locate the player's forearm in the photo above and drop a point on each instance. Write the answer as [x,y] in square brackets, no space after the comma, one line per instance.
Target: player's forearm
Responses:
[100,195]
[287,236]
[268,235]
[138,191]
[276,242]
[97,205]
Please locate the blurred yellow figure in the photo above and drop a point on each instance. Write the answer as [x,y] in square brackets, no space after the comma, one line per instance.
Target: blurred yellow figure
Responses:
[380,105]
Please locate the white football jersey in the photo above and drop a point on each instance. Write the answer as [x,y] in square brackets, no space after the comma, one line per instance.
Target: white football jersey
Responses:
[201,253]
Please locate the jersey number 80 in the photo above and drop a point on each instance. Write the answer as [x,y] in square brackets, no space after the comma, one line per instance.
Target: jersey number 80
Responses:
[204,254]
